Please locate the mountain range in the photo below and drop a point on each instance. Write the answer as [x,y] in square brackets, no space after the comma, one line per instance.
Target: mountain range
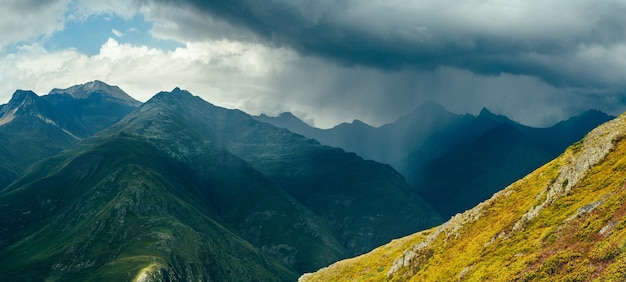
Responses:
[33,128]
[453,161]
[179,189]
[562,222]
[97,186]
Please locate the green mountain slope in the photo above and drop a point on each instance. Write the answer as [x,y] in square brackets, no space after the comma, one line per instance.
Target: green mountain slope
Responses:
[112,213]
[179,124]
[563,222]
[182,190]
[361,200]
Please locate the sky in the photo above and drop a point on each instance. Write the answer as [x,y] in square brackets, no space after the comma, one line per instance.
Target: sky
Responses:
[329,61]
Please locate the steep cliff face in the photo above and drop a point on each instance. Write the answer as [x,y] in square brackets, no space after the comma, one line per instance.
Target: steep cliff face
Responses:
[563,222]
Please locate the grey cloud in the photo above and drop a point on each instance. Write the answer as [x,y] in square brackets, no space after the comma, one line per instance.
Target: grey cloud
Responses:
[535,38]
[336,93]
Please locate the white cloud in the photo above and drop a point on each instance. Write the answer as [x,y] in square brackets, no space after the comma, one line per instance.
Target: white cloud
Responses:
[223,72]
[27,20]
[117,32]
[123,8]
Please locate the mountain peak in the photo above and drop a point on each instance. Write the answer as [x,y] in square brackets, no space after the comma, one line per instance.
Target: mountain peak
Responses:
[19,96]
[485,112]
[288,115]
[20,99]
[427,109]
[27,104]
[581,123]
[178,91]
[359,123]
[84,91]
[23,98]
[427,112]
[175,95]
[593,113]
[177,100]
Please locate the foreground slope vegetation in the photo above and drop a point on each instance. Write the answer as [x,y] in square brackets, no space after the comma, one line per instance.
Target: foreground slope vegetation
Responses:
[563,222]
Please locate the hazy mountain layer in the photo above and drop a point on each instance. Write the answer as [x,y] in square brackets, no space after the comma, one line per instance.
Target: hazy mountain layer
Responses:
[454,161]
[563,222]
[473,172]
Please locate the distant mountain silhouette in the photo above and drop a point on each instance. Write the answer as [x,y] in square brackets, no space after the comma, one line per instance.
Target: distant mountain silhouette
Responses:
[426,146]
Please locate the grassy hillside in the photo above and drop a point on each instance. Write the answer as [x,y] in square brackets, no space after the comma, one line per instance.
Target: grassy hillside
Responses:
[563,222]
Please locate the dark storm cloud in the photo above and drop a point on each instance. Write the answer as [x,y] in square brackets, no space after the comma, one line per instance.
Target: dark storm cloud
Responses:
[533,60]
[547,40]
